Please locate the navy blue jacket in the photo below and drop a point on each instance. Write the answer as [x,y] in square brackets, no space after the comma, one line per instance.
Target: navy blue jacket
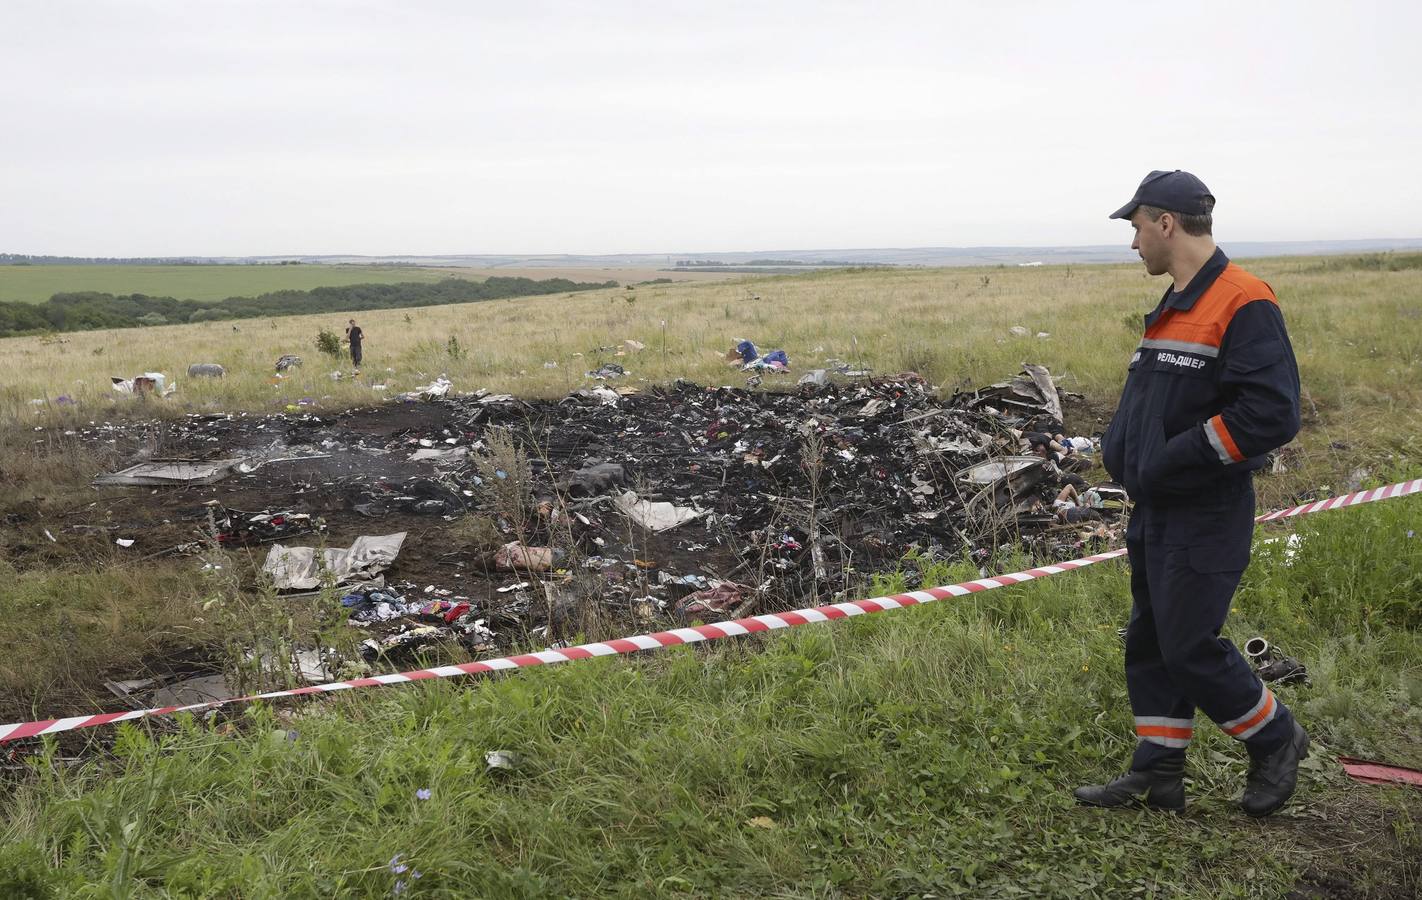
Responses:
[1211,389]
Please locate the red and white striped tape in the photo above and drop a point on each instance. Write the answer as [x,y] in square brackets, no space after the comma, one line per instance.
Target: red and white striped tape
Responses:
[658,640]
[1387,492]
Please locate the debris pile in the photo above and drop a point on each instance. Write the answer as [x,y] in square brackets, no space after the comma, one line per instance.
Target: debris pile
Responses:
[235,528]
[538,519]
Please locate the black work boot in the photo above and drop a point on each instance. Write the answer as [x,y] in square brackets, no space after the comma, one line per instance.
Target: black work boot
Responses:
[1272,779]
[1160,787]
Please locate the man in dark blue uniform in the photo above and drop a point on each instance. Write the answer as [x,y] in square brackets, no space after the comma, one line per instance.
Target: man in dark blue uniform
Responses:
[1211,389]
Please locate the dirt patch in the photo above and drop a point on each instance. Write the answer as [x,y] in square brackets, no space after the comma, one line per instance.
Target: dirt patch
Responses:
[1356,847]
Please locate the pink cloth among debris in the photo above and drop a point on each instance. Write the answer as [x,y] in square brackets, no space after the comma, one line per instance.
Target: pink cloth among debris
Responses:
[515,556]
[712,603]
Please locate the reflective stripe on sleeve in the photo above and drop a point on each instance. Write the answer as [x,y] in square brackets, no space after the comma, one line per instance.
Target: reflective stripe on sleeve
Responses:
[1222,441]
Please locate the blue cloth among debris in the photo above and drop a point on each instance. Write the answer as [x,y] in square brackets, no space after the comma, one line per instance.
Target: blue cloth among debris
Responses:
[751,358]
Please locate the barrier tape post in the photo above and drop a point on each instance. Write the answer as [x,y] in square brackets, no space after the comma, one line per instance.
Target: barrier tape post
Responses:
[676,636]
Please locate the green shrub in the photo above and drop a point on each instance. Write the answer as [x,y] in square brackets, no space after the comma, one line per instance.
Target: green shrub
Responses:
[329,344]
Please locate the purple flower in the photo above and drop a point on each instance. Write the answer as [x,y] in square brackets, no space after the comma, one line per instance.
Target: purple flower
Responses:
[422,794]
[1410,532]
[396,866]
[400,887]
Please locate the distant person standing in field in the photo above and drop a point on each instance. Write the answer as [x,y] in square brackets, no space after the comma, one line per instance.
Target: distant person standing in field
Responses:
[1211,389]
[354,336]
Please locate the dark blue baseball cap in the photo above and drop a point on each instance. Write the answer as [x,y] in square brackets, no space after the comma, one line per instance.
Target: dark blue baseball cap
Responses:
[1176,191]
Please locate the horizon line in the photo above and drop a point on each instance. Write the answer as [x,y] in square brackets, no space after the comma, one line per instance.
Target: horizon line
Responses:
[691,253]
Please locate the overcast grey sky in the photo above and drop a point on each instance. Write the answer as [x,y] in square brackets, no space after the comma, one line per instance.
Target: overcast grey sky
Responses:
[231,128]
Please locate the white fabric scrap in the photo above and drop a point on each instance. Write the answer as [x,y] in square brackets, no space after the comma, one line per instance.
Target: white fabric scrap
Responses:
[656,516]
[450,455]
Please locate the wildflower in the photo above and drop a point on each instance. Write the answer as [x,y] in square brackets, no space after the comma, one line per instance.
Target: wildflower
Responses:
[396,866]
[422,794]
[400,886]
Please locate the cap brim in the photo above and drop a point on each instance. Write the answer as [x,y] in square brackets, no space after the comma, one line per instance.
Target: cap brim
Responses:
[1126,211]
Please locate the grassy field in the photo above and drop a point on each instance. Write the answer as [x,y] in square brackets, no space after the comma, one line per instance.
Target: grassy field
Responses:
[35,284]
[919,753]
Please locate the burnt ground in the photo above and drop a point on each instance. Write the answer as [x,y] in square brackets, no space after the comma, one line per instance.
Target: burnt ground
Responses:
[802,496]
[160,520]
[884,487]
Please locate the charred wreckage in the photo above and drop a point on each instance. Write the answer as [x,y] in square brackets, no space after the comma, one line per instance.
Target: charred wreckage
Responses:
[623,506]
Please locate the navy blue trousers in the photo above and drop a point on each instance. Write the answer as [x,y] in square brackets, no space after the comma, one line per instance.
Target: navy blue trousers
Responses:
[1186,562]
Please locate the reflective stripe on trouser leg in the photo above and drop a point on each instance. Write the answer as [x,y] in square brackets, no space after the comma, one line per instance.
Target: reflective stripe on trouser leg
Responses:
[1164,731]
[1252,722]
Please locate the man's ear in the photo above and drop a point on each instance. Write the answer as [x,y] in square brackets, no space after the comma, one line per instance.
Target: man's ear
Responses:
[1166,223]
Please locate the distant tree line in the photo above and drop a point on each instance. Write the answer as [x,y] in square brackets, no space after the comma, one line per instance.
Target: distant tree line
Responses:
[89,310]
[26,259]
[824,263]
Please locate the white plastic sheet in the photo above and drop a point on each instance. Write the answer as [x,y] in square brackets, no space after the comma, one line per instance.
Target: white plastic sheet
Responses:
[298,569]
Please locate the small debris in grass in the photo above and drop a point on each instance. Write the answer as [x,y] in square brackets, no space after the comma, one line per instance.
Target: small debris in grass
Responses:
[506,760]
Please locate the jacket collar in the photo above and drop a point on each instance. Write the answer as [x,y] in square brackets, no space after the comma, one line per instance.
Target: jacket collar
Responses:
[1184,300]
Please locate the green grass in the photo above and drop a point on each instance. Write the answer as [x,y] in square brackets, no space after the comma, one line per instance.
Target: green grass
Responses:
[35,284]
[926,751]
[69,628]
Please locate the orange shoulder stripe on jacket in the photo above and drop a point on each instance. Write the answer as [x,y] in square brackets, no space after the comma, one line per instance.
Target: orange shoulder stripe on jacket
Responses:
[1250,286]
[1181,326]
[1207,321]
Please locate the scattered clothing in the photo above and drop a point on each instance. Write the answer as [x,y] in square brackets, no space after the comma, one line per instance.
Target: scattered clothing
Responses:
[518,557]
[607,371]
[713,603]
[750,358]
